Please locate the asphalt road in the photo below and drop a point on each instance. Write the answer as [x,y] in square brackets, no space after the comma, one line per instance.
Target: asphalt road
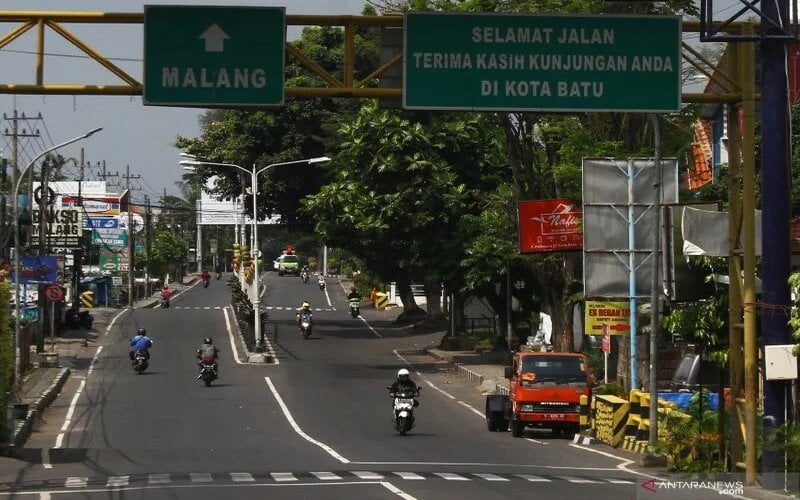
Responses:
[316,423]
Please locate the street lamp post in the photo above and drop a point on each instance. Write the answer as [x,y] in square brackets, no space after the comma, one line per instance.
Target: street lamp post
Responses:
[254,187]
[15,209]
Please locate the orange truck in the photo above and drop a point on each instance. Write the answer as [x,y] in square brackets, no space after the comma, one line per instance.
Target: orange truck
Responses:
[544,391]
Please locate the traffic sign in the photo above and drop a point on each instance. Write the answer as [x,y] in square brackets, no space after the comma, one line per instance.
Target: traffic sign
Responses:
[517,62]
[53,293]
[210,56]
[606,344]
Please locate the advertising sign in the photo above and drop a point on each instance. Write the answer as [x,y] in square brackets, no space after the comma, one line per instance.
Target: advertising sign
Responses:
[119,239]
[613,316]
[64,227]
[99,223]
[36,269]
[113,261]
[94,205]
[550,226]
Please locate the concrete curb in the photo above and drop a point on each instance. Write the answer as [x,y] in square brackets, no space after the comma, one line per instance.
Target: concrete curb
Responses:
[765,494]
[24,428]
[253,358]
[474,377]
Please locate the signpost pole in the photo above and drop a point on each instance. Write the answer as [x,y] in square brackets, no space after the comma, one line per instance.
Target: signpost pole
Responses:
[606,344]
[52,326]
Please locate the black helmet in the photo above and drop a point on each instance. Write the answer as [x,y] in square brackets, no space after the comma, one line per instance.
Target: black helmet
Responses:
[141,331]
[207,340]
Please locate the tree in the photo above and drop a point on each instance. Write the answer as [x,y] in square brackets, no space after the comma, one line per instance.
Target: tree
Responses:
[399,189]
[167,250]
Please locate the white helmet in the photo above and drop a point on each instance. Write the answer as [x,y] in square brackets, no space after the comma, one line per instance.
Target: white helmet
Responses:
[402,374]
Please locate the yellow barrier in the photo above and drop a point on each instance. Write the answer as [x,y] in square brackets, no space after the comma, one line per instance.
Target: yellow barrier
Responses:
[584,418]
[611,414]
[87,299]
[381,300]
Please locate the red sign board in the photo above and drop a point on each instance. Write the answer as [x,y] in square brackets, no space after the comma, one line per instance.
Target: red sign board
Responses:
[606,344]
[550,225]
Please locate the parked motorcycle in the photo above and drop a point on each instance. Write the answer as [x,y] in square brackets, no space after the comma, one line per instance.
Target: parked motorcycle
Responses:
[403,410]
[355,304]
[78,319]
[208,371]
[321,282]
[306,321]
[140,362]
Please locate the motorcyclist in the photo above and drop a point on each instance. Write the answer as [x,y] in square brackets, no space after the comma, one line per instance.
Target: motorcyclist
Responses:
[353,295]
[165,293]
[305,308]
[403,384]
[141,342]
[304,272]
[321,280]
[207,351]
[205,275]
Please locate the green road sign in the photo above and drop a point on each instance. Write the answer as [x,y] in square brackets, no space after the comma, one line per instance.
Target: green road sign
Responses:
[213,56]
[517,62]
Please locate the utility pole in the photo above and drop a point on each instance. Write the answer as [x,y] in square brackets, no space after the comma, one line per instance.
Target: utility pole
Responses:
[131,231]
[15,135]
[148,237]
[3,213]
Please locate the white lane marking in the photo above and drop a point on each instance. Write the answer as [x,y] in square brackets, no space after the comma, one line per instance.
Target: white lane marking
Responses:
[440,390]
[297,428]
[114,319]
[76,482]
[44,495]
[533,479]
[327,476]
[46,458]
[619,481]
[159,479]
[450,476]
[374,331]
[577,480]
[68,418]
[470,408]
[410,476]
[397,491]
[230,336]
[117,481]
[207,308]
[242,477]
[491,477]
[200,477]
[366,475]
[536,441]
[492,464]
[282,477]
[94,360]
[217,308]
[328,297]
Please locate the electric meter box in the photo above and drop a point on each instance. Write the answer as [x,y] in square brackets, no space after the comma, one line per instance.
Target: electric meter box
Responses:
[779,362]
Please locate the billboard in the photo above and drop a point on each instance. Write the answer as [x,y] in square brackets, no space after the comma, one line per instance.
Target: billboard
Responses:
[616,315]
[94,205]
[64,227]
[36,269]
[549,225]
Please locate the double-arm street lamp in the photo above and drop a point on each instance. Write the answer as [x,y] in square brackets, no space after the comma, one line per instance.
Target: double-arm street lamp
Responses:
[17,249]
[194,163]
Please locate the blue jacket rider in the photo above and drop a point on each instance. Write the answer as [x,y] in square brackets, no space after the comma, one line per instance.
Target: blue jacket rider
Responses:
[141,342]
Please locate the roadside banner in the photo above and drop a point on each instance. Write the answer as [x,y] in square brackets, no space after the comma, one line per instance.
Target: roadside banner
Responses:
[550,225]
[36,269]
[613,315]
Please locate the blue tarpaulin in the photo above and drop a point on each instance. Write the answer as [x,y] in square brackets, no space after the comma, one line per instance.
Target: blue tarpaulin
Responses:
[683,399]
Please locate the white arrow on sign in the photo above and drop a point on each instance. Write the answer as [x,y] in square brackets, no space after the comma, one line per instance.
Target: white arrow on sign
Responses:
[214,38]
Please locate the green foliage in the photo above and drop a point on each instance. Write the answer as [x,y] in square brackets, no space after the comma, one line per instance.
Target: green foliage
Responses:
[786,439]
[689,439]
[167,249]
[6,346]
[794,318]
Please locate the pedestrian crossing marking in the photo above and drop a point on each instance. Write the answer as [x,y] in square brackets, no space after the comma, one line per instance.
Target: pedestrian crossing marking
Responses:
[533,479]
[367,475]
[76,482]
[115,481]
[283,477]
[242,477]
[450,476]
[409,476]
[326,476]
[491,477]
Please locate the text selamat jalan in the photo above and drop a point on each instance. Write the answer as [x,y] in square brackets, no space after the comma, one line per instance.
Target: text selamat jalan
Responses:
[214,78]
[572,36]
[542,62]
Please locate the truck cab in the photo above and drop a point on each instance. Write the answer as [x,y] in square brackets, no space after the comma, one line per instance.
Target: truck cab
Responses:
[544,390]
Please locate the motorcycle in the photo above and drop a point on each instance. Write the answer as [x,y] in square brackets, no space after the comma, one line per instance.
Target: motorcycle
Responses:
[140,362]
[164,303]
[321,283]
[219,275]
[304,277]
[205,282]
[355,304]
[403,410]
[305,325]
[208,372]
[76,319]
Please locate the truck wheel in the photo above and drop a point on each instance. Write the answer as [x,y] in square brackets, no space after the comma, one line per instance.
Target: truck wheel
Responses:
[517,428]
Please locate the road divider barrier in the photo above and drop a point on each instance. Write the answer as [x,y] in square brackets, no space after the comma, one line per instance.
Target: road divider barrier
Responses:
[87,299]
[611,415]
[381,301]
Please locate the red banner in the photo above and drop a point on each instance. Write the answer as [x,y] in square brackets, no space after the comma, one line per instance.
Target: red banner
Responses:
[550,225]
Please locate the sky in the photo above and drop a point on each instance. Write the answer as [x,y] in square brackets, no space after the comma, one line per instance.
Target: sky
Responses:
[134,136]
